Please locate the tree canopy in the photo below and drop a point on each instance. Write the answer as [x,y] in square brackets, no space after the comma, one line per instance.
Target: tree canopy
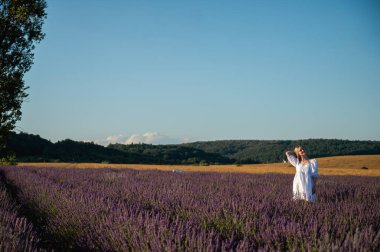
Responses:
[20,29]
[33,148]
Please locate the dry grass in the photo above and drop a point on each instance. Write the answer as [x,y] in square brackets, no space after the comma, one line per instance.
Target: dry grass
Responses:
[342,165]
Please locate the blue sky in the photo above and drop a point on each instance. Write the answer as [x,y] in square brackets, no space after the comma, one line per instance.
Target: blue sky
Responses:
[176,71]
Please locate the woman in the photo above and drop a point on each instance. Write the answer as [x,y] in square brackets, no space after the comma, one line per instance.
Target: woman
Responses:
[306,174]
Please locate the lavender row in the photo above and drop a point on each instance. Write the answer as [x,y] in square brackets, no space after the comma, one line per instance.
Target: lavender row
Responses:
[16,232]
[112,210]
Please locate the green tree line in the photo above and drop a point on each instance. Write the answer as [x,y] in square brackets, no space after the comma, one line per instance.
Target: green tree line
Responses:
[33,148]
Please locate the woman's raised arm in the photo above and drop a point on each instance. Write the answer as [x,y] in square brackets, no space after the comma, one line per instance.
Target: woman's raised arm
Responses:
[292,158]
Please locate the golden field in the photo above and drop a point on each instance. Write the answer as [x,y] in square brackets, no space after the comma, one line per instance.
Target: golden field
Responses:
[341,165]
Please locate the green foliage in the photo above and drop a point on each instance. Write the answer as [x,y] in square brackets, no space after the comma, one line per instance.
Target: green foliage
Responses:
[203,163]
[20,28]
[8,160]
[270,151]
[171,154]
[33,148]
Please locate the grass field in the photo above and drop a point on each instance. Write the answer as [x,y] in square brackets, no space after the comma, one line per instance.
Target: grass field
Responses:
[341,165]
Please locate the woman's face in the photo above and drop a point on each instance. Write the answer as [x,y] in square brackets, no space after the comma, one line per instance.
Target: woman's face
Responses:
[300,151]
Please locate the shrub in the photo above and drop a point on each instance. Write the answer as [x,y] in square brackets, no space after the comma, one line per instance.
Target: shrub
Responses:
[8,160]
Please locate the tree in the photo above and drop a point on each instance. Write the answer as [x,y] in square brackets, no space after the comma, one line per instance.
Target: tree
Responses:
[20,29]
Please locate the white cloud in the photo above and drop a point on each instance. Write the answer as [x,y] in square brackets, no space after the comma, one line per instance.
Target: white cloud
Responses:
[134,139]
[101,142]
[112,140]
[152,138]
[148,138]
[116,138]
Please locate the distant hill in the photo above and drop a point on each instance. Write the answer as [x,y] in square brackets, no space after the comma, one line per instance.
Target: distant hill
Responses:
[33,148]
[269,151]
[172,154]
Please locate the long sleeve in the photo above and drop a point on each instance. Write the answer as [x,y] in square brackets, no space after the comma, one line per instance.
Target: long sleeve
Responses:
[292,159]
[314,168]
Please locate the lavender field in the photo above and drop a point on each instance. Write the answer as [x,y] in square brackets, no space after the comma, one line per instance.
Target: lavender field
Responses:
[130,210]
[16,232]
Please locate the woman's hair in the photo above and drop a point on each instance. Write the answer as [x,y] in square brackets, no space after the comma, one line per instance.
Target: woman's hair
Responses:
[296,152]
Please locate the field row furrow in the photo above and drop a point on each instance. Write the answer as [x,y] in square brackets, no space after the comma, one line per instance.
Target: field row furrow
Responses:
[17,233]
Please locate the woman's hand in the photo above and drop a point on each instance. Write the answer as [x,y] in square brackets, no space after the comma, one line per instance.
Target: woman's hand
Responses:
[290,153]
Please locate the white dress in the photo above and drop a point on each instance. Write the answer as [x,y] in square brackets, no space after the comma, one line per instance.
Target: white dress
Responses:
[303,182]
